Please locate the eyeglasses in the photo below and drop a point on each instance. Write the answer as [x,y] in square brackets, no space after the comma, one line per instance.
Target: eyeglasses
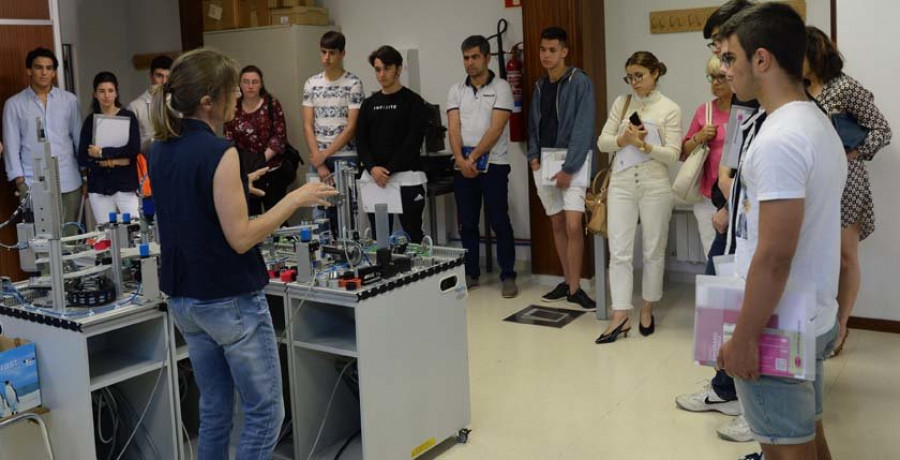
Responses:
[636,78]
[720,78]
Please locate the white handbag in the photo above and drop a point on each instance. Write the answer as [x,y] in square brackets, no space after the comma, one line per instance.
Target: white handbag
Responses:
[687,182]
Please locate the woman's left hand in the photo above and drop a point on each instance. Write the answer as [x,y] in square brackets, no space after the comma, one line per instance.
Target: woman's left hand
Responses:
[252,177]
[95,152]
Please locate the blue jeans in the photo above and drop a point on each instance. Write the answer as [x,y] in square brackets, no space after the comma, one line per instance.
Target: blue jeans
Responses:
[231,344]
[493,188]
[785,411]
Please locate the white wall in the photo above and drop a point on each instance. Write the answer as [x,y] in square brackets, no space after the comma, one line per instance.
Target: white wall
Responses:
[106,34]
[685,54]
[436,29]
[867,38]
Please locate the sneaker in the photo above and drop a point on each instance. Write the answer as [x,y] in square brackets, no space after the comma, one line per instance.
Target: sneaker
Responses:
[753,456]
[509,289]
[561,291]
[471,282]
[581,298]
[736,430]
[707,400]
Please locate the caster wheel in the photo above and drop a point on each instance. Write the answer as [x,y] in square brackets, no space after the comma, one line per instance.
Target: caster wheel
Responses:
[463,436]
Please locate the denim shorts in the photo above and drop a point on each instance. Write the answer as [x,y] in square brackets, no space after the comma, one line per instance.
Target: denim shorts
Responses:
[785,411]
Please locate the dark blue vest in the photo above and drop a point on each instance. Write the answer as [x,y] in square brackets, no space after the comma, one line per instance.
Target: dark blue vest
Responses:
[197,261]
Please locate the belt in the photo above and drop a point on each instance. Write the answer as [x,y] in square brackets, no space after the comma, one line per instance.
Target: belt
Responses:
[114,162]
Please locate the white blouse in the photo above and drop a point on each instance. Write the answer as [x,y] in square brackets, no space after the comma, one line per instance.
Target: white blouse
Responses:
[655,108]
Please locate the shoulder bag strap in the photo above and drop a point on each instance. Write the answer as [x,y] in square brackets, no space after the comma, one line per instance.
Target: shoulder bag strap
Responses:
[621,117]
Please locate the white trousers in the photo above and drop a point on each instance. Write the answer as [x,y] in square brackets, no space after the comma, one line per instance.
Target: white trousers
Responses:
[704,212]
[642,191]
[119,203]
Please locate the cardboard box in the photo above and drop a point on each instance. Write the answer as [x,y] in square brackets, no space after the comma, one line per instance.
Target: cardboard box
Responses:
[299,15]
[20,389]
[234,14]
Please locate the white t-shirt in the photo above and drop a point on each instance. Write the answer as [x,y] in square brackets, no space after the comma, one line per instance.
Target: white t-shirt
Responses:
[476,109]
[797,155]
[332,101]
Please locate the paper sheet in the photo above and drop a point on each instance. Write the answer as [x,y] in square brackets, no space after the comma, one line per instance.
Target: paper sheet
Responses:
[734,137]
[552,161]
[788,342]
[111,132]
[630,155]
[373,194]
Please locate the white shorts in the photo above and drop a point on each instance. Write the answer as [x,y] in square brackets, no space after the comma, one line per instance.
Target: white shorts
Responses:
[556,200]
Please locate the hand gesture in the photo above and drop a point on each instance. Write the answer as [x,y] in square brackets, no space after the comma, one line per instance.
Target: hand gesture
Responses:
[324,174]
[563,180]
[467,168]
[740,359]
[381,176]
[253,177]
[706,134]
[634,135]
[95,152]
[312,194]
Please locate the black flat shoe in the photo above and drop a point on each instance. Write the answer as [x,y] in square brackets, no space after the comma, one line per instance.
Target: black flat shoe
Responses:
[612,336]
[645,331]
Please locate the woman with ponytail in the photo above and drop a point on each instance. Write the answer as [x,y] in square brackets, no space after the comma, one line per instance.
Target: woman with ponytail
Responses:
[211,269]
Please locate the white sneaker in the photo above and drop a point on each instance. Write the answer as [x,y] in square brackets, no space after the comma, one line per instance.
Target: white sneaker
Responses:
[736,430]
[707,400]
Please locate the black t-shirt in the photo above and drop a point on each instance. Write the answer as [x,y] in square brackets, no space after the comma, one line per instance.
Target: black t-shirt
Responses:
[390,131]
[549,119]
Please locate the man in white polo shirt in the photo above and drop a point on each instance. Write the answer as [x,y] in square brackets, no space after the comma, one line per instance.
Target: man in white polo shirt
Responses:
[478,111]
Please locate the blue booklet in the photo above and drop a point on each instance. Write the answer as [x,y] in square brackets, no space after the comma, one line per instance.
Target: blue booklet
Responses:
[849,130]
[481,165]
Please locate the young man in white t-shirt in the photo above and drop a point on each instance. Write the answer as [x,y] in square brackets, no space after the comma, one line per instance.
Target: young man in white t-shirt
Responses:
[478,112]
[331,102]
[788,224]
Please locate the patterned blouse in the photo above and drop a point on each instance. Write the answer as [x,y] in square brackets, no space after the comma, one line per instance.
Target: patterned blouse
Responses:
[844,94]
[254,132]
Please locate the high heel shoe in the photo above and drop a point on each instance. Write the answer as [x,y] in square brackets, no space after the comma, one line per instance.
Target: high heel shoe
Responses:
[645,331]
[612,336]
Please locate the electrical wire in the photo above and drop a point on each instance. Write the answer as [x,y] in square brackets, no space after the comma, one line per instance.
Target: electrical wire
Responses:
[146,407]
[188,437]
[287,327]
[328,408]
[344,446]
[76,224]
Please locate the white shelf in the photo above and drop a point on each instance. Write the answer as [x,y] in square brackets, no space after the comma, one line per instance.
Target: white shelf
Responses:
[110,367]
[181,353]
[341,343]
[280,336]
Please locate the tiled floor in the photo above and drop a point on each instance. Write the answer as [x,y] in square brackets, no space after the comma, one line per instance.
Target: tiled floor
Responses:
[545,393]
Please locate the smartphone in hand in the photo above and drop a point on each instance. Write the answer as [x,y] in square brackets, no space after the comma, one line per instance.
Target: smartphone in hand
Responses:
[635,119]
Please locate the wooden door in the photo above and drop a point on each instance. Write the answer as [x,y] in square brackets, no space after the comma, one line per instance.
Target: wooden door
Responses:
[583,21]
[24,25]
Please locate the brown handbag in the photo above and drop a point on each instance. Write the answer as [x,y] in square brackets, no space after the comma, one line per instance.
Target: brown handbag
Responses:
[595,200]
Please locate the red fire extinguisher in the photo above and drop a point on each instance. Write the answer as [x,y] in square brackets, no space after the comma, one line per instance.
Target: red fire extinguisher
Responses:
[514,67]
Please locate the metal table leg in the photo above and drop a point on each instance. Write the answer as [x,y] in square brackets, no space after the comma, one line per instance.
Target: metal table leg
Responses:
[600,276]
